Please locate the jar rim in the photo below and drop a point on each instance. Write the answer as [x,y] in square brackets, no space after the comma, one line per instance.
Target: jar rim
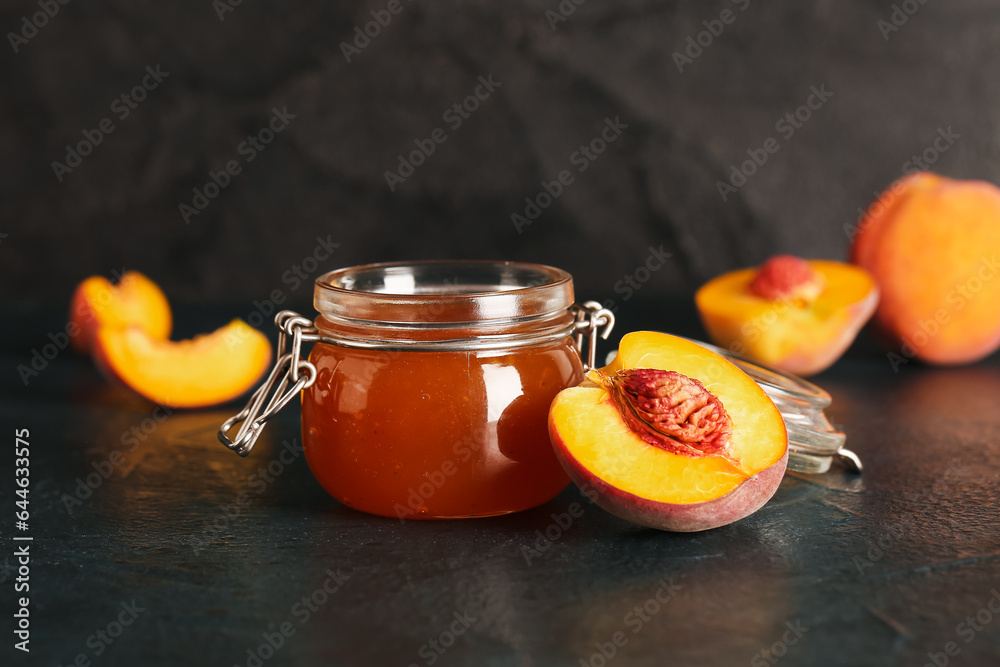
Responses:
[443,293]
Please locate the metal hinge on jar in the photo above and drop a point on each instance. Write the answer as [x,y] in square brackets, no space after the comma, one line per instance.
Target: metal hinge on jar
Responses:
[292,372]
[590,317]
[290,375]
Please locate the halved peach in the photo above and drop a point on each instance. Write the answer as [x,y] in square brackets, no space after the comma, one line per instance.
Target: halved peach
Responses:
[135,300]
[791,314]
[206,370]
[697,443]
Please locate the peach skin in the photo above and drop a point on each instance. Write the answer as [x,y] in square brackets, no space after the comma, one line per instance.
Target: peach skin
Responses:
[932,244]
[135,300]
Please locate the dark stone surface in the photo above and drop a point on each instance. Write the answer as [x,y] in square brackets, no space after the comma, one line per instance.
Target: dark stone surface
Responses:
[930,439]
[324,175]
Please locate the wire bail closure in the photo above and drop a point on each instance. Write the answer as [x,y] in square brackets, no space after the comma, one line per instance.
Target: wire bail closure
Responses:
[590,316]
[292,373]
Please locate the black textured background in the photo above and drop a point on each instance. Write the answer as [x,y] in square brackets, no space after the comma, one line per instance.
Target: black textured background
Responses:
[323,176]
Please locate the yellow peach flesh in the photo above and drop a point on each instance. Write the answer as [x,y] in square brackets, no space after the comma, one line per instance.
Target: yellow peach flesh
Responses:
[206,370]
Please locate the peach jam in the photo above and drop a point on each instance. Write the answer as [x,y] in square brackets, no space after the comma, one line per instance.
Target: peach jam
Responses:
[433,383]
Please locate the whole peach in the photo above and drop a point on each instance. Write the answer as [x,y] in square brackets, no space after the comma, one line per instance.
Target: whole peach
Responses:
[933,246]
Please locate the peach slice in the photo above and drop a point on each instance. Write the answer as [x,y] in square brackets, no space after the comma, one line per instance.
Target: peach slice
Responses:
[135,300]
[670,435]
[791,314]
[206,370]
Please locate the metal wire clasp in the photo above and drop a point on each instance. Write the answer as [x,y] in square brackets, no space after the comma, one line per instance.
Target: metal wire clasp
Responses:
[591,316]
[290,375]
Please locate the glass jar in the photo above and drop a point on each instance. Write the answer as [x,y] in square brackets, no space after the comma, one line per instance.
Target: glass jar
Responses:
[427,391]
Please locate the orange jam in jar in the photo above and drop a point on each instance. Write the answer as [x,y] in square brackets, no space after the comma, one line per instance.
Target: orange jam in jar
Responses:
[433,383]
